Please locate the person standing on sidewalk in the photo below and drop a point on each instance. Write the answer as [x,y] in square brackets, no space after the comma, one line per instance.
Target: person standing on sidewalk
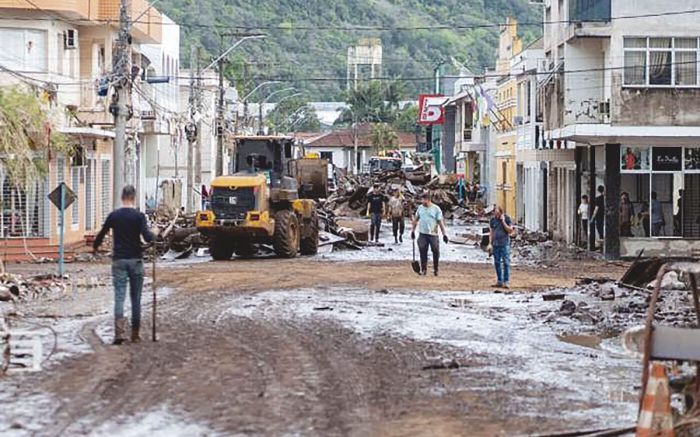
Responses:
[427,219]
[583,212]
[397,213]
[128,226]
[375,210]
[501,227]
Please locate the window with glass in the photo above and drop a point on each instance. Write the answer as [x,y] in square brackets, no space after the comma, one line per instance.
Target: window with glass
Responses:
[661,62]
[660,192]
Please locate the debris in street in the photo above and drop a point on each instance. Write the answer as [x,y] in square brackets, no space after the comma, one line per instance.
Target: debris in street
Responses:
[18,288]
[448,364]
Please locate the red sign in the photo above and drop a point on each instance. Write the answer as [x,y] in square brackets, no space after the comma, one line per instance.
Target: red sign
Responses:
[430,110]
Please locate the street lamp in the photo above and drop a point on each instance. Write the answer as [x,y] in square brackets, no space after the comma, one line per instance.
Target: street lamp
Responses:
[287,98]
[265,100]
[245,100]
[292,115]
[220,109]
[270,82]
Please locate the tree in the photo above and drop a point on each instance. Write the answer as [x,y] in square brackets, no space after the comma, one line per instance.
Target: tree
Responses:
[407,119]
[384,137]
[293,115]
[26,137]
[374,102]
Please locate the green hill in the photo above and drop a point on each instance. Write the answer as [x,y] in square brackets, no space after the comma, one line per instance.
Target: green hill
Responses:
[308,39]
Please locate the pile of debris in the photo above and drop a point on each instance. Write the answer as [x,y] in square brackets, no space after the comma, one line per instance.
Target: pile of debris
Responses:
[16,288]
[339,213]
[177,233]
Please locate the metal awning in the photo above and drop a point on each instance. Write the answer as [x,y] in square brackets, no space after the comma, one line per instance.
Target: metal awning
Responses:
[89,132]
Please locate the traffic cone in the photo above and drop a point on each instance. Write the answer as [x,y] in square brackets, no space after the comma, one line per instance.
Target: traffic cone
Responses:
[656,419]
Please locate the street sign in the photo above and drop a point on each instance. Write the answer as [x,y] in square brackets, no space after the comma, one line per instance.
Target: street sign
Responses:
[68,199]
[63,197]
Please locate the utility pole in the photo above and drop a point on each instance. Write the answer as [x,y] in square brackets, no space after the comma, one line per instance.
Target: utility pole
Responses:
[191,134]
[220,118]
[120,99]
[198,153]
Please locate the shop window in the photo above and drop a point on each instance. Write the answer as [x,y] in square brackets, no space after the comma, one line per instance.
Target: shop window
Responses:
[663,184]
[635,221]
[690,201]
[666,198]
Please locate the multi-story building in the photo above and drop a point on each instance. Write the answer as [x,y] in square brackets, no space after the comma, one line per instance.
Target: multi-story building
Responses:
[531,172]
[622,101]
[161,142]
[509,46]
[67,46]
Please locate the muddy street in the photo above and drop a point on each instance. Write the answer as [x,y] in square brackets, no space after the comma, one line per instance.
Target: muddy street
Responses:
[265,347]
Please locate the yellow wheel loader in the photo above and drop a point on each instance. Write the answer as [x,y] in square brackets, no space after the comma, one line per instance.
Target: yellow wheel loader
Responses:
[267,200]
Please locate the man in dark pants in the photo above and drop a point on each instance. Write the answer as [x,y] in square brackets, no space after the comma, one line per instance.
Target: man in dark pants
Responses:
[128,225]
[501,229]
[598,216]
[427,219]
[397,213]
[375,210]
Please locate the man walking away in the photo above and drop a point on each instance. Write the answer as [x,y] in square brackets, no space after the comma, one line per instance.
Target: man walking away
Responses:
[501,227]
[128,225]
[397,213]
[375,210]
[427,218]
[598,216]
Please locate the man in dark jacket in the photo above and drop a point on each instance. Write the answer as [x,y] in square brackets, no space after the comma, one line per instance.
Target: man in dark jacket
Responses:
[128,226]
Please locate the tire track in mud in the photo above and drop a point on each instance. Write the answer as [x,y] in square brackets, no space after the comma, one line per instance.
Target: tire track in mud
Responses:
[269,372]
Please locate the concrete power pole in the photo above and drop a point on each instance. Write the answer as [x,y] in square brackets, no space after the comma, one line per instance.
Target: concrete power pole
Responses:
[220,122]
[120,100]
[192,134]
[198,153]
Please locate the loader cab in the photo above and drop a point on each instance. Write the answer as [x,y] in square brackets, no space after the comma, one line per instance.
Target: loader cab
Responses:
[267,155]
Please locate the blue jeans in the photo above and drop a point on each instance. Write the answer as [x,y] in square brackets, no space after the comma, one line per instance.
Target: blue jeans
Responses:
[128,271]
[501,259]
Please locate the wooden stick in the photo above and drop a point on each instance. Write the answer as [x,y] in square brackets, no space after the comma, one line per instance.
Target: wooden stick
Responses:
[155,301]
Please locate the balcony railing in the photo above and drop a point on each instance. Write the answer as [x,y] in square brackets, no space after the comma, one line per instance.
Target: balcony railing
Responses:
[590,10]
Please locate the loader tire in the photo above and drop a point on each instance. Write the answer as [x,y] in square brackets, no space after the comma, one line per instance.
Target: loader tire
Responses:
[286,238]
[220,249]
[309,244]
[245,249]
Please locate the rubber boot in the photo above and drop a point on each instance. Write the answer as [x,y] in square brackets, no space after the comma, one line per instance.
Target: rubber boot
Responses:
[119,331]
[423,268]
[135,334]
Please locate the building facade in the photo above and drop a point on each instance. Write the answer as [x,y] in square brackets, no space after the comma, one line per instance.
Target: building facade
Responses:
[65,49]
[622,102]
[509,46]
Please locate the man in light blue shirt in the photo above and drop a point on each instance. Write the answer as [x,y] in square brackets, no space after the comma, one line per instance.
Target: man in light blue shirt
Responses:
[427,219]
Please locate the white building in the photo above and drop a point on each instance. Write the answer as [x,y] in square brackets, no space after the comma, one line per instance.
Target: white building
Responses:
[623,99]
[158,97]
[531,159]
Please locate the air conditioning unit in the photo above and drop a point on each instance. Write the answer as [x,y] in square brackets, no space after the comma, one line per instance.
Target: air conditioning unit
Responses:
[70,39]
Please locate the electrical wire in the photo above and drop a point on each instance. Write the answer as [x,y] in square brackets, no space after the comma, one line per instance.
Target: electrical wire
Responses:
[362,28]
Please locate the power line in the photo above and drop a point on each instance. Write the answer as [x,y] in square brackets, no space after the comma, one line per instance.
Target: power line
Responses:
[308,27]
